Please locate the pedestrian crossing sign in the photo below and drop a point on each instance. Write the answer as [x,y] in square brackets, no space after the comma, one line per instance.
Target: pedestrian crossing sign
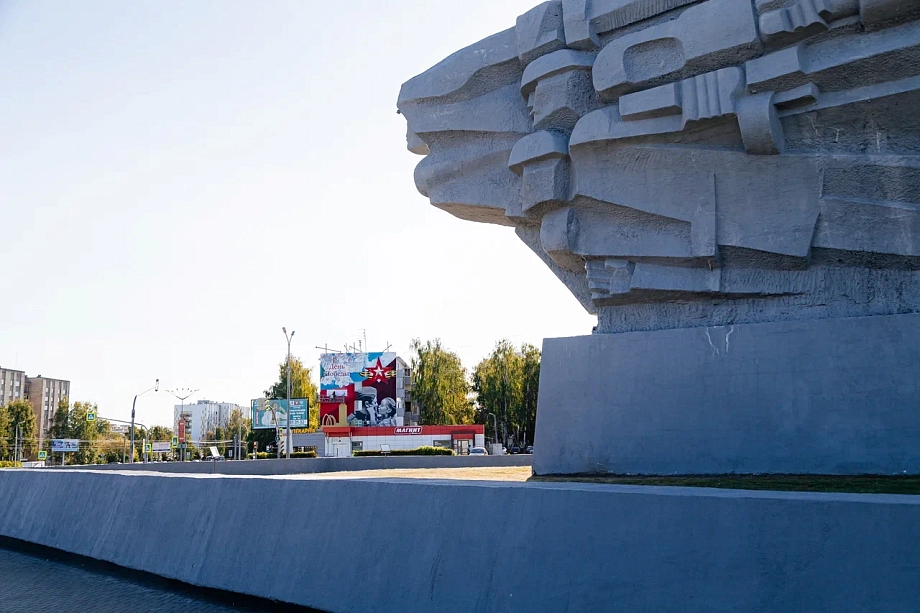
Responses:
[42,455]
[91,416]
[175,442]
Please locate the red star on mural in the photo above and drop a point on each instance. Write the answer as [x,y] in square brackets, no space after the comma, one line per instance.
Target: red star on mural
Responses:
[378,373]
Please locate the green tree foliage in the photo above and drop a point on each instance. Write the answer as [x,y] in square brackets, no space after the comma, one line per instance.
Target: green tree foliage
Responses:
[506,384]
[19,413]
[161,433]
[239,423]
[86,431]
[6,437]
[302,386]
[440,386]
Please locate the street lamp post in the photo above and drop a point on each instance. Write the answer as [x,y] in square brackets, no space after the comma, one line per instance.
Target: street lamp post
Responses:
[182,394]
[155,388]
[288,441]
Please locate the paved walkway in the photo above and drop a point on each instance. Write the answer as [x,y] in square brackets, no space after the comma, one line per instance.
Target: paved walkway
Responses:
[30,583]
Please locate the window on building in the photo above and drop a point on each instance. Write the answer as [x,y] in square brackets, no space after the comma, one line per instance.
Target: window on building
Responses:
[357,446]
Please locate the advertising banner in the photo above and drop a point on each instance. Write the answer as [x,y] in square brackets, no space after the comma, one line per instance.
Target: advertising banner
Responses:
[162,446]
[267,413]
[65,445]
[180,430]
[358,389]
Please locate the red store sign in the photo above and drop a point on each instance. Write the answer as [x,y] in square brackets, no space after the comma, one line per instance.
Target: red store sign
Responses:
[408,430]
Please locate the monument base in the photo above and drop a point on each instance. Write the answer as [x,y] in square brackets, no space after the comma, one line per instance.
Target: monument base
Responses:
[832,396]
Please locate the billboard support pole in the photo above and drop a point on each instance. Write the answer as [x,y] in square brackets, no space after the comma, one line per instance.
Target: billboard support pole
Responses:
[288,441]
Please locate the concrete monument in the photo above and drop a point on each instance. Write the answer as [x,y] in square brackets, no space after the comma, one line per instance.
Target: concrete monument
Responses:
[733,187]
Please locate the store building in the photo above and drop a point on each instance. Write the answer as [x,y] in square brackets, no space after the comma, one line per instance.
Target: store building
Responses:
[342,441]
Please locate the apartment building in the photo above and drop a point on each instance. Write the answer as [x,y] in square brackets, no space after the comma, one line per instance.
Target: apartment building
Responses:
[12,385]
[44,394]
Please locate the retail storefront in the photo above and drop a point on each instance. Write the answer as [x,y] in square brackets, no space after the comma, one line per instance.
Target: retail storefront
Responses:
[342,441]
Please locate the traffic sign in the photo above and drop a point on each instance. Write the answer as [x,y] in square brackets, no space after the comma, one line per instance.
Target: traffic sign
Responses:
[91,416]
[147,447]
[42,455]
[175,442]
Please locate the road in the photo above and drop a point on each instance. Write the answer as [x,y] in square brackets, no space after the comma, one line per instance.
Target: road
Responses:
[32,581]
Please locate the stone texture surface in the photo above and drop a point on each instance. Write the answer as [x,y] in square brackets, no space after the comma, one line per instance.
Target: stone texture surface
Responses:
[422,546]
[773,136]
[826,396]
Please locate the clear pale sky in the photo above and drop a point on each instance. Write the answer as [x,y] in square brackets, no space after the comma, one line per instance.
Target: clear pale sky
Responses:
[179,180]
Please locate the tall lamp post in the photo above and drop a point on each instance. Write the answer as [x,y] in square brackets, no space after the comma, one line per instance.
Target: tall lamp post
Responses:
[155,388]
[181,394]
[288,441]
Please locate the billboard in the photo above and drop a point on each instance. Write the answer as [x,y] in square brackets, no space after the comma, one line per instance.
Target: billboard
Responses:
[162,447]
[64,445]
[269,413]
[358,389]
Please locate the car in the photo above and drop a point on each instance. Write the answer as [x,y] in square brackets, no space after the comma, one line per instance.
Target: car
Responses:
[515,449]
[478,451]
[529,449]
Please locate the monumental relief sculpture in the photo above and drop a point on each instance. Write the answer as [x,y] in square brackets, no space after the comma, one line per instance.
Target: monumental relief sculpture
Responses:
[681,163]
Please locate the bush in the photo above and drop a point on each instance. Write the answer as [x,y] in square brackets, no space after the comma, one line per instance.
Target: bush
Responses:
[303,454]
[10,464]
[424,450]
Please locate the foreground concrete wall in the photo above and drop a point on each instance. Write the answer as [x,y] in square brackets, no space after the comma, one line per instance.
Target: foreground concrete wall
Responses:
[827,396]
[301,466]
[483,547]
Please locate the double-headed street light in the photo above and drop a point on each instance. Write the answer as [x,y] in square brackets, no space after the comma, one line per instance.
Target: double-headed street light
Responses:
[155,388]
[289,441]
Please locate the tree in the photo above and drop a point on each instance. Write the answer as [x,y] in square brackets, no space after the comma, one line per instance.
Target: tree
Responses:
[506,385]
[87,432]
[440,386]
[302,386]
[161,433]
[20,415]
[6,437]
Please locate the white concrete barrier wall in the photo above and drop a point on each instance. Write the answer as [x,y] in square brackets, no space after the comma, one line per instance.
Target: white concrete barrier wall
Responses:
[420,546]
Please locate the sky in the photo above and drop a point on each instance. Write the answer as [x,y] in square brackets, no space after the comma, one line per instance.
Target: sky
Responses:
[179,180]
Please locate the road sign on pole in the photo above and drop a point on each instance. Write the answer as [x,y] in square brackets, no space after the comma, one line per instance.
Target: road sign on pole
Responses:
[42,455]
[175,442]
[91,416]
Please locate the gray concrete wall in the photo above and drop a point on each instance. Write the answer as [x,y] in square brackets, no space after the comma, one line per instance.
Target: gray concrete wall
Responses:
[422,546]
[297,466]
[824,396]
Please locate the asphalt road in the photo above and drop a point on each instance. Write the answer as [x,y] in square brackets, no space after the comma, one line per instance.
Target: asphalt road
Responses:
[41,581]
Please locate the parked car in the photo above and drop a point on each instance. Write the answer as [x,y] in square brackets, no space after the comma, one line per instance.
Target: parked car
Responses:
[515,449]
[478,451]
[529,449]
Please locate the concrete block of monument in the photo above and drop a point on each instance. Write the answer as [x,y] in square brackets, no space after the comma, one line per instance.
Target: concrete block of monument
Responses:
[733,188]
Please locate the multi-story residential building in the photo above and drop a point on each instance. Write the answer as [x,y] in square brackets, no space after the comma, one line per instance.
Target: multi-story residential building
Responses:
[204,417]
[12,385]
[44,394]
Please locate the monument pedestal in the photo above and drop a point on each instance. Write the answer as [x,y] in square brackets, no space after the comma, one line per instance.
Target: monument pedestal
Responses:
[832,396]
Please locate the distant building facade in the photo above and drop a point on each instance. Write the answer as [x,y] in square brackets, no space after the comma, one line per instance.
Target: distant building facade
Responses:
[204,417]
[12,385]
[45,394]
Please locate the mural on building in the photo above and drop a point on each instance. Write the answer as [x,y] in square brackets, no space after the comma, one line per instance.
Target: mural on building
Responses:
[358,389]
